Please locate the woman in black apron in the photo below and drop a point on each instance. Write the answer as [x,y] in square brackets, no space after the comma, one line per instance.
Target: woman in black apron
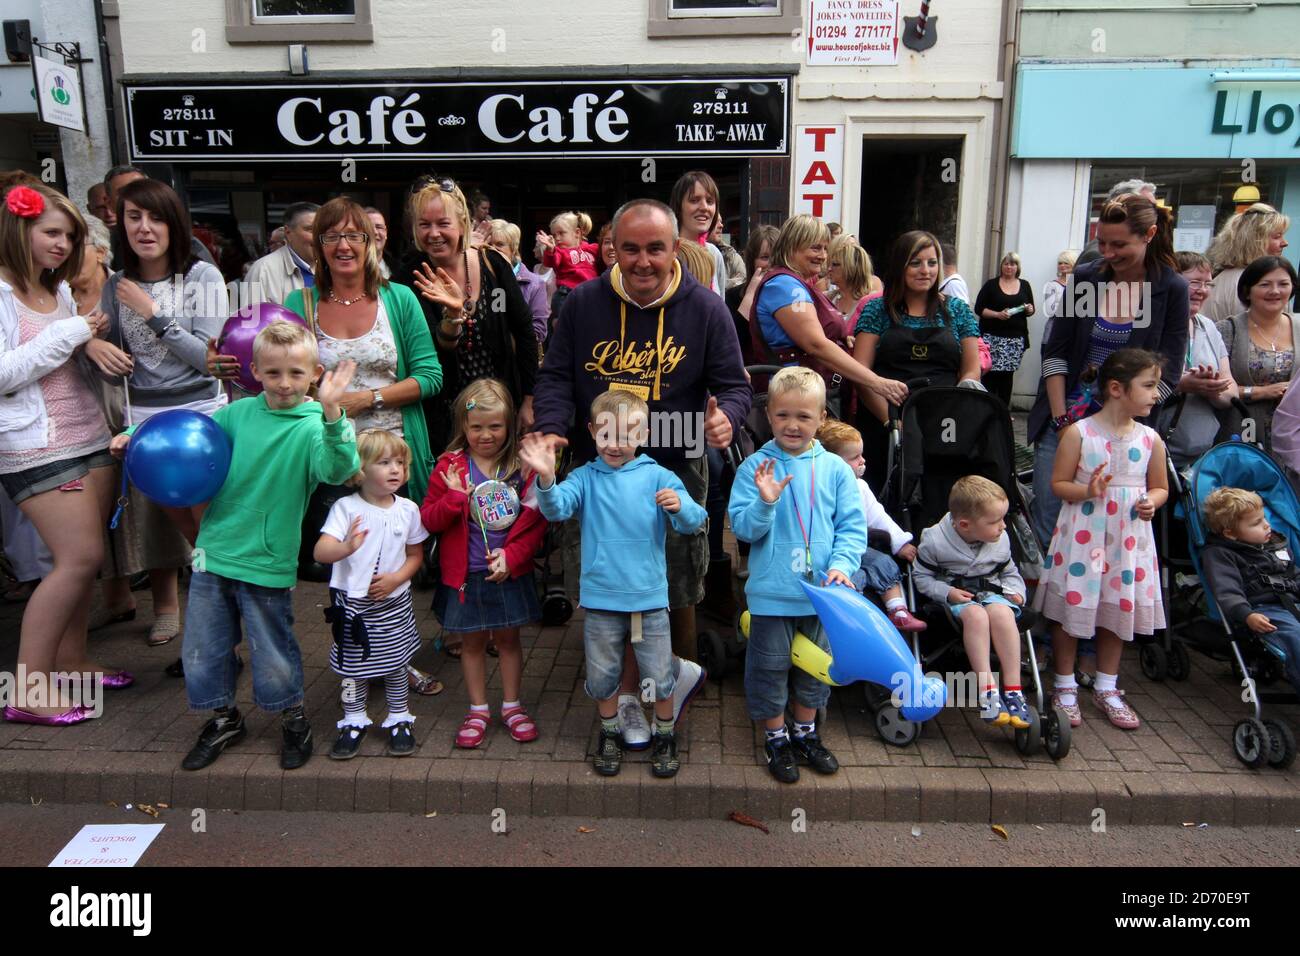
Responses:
[911,332]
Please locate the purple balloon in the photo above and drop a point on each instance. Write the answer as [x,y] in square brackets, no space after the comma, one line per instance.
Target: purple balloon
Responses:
[239,331]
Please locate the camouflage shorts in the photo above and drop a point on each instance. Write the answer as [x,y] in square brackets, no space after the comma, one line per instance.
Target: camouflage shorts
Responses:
[687,555]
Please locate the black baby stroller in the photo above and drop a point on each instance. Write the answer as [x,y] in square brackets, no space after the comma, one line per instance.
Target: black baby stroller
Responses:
[942,434]
[1257,739]
[1165,655]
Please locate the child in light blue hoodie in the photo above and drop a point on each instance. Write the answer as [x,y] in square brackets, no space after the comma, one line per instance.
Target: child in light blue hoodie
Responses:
[624,502]
[798,506]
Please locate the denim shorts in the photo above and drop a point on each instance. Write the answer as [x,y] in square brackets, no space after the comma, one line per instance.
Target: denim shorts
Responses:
[769,672]
[878,572]
[488,605]
[603,636]
[985,600]
[21,485]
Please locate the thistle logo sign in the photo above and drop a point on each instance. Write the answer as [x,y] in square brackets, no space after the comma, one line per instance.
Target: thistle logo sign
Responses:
[58,93]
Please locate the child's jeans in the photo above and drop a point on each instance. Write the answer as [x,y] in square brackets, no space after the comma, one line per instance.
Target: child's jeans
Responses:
[217,606]
[877,573]
[768,670]
[1286,639]
[603,636]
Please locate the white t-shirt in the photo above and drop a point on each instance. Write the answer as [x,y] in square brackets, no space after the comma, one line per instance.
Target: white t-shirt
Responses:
[384,549]
[878,519]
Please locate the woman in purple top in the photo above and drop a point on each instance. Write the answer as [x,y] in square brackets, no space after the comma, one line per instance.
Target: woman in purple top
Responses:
[504,238]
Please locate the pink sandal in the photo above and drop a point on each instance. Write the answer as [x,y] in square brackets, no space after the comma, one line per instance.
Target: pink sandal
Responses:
[519,724]
[473,731]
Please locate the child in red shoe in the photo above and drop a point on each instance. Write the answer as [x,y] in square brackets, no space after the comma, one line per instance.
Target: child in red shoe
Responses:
[964,561]
[878,573]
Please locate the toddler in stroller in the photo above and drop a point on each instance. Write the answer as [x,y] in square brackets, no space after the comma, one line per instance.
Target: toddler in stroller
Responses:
[1256,580]
[964,563]
[878,572]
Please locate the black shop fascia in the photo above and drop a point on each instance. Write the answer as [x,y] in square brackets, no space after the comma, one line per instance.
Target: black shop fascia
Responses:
[536,146]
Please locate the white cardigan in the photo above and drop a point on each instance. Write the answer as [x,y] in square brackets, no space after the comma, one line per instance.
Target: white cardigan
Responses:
[23,422]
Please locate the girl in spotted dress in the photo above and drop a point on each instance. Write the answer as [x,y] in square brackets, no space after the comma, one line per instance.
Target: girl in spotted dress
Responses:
[1101,580]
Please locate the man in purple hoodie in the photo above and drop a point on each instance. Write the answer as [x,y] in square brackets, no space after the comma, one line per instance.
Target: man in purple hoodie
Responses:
[646,326]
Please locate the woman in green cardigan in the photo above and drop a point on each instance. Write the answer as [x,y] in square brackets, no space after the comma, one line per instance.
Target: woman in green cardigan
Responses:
[377,324]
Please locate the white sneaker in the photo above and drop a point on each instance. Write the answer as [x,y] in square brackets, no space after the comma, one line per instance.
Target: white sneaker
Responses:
[690,679]
[632,723]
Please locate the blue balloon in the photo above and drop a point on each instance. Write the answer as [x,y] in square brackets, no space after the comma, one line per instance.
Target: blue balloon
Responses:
[865,645]
[178,458]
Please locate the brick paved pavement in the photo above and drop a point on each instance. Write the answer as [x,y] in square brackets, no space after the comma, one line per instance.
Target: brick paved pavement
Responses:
[1179,767]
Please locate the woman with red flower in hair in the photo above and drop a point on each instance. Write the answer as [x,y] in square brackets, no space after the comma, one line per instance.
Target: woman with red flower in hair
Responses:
[54,460]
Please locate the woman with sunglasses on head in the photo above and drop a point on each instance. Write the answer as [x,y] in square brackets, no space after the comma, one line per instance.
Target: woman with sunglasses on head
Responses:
[1258,231]
[481,325]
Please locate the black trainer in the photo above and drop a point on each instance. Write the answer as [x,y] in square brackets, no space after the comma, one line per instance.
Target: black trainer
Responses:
[217,734]
[663,755]
[780,760]
[401,740]
[609,753]
[297,743]
[809,749]
[348,744]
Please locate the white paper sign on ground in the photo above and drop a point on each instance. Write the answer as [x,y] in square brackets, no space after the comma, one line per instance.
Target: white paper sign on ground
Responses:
[852,32]
[108,845]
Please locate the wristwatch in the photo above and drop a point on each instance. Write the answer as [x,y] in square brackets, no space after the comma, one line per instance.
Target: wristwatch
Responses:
[378,404]
[1060,422]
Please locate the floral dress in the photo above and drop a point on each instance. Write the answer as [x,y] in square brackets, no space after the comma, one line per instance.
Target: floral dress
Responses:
[1101,570]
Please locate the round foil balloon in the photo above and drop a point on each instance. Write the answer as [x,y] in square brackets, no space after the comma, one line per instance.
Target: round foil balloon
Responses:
[178,458]
[241,329]
[494,505]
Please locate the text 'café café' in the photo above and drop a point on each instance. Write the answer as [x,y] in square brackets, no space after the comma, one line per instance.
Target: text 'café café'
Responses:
[241,153]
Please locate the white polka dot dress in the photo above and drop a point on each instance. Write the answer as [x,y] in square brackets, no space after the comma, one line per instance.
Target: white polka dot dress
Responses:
[1101,570]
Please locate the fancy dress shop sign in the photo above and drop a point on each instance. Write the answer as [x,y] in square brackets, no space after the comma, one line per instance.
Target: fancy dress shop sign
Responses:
[853,32]
[704,117]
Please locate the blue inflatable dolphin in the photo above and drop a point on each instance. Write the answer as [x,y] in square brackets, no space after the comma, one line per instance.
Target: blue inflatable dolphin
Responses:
[865,645]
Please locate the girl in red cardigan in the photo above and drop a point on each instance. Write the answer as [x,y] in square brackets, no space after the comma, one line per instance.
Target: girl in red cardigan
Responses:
[486,511]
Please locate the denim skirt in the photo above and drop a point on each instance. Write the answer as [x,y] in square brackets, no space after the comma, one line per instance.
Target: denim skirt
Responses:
[487,606]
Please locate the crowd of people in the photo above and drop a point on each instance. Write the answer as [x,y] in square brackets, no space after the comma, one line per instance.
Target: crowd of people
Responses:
[457,395]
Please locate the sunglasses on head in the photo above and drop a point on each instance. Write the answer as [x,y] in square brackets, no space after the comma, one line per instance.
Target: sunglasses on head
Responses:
[442,182]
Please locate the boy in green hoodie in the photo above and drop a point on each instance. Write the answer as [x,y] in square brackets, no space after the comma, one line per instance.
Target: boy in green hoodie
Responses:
[246,556]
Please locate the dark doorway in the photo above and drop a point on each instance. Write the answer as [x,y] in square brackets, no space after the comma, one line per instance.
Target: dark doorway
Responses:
[907,184]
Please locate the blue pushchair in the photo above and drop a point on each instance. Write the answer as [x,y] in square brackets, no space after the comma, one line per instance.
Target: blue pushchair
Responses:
[1258,739]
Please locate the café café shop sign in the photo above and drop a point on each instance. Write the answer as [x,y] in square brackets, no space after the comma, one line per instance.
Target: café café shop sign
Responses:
[596,118]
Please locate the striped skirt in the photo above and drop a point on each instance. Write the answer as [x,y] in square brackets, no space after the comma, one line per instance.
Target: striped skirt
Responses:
[372,638]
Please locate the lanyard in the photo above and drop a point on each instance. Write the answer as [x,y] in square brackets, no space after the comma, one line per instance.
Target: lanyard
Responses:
[497,477]
[812,507]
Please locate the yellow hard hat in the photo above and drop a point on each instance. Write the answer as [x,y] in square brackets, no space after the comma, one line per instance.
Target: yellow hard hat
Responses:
[1246,194]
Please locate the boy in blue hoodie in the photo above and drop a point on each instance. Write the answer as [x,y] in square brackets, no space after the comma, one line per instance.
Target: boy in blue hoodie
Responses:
[814,531]
[624,502]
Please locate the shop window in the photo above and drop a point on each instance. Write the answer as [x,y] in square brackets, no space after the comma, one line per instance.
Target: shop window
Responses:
[298,21]
[315,11]
[1203,196]
[696,18]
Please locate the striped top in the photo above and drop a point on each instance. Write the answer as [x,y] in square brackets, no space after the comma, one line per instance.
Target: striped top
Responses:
[1107,337]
